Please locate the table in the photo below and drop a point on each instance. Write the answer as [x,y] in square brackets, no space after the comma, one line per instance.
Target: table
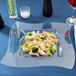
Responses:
[61,11]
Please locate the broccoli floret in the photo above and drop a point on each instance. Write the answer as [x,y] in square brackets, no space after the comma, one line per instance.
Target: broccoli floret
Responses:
[48,53]
[29,34]
[52,49]
[26,45]
[42,37]
[39,39]
[34,49]
[51,33]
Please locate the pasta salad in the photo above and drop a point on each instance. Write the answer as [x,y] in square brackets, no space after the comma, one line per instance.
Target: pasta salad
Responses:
[40,44]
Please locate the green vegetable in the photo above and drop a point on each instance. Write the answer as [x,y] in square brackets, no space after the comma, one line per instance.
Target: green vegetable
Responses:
[42,37]
[48,53]
[51,33]
[34,49]
[11,5]
[26,45]
[52,49]
[29,34]
[39,39]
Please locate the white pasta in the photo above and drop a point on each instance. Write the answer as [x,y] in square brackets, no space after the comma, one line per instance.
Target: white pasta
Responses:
[42,42]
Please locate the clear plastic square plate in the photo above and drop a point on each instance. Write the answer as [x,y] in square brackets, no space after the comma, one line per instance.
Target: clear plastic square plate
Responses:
[12,58]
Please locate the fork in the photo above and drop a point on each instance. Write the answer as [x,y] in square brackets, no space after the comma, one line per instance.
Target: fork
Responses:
[59,48]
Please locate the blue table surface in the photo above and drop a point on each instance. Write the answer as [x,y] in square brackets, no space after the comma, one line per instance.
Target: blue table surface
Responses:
[61,11]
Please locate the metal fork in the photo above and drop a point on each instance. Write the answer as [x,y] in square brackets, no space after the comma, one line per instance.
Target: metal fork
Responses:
[59,48]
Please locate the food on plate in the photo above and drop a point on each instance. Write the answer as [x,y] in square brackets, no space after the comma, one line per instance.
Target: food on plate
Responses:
[40,44]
